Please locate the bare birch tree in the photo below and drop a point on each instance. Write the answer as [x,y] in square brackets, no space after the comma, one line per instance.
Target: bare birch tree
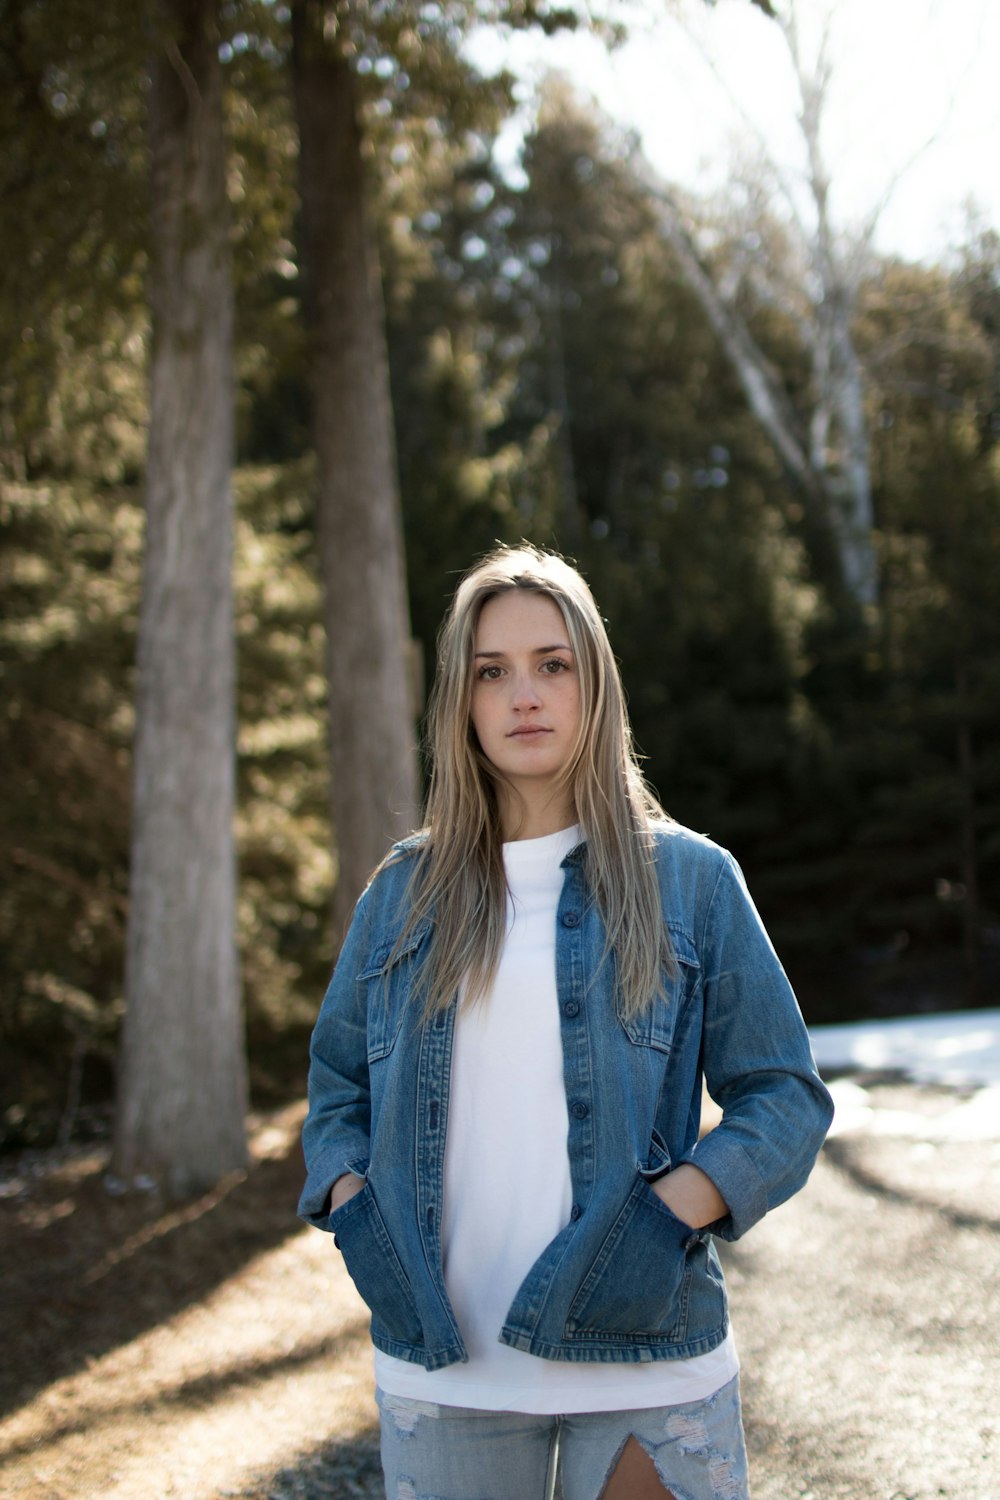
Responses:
[374,790]
[827,453]
[182,1086]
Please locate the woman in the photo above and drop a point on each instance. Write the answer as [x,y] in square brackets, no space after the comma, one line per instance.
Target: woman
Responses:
[506,1082]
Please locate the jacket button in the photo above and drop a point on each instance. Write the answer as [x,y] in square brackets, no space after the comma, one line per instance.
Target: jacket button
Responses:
[571,1008]
[571,919]
[575,1212]
[579,1111]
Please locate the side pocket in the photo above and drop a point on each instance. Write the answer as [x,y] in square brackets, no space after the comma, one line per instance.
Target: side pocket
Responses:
[639,1284]
[375,1268]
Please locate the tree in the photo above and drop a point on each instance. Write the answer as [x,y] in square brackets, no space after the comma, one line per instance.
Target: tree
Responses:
[182,1086]
[372,710]
[826,448]
[411,54]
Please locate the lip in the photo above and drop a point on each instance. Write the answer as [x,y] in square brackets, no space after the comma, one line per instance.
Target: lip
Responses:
[528,732]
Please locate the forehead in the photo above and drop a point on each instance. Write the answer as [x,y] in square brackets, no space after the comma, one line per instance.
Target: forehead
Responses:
[520,617]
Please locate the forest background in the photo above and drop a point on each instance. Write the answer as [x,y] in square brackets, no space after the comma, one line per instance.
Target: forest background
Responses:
[555,375]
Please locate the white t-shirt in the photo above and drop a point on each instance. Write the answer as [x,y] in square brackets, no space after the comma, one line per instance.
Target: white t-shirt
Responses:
[507,1189]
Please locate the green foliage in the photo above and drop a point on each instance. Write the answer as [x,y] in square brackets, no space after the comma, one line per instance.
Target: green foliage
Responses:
[69,560]
[286,867]
[73,191]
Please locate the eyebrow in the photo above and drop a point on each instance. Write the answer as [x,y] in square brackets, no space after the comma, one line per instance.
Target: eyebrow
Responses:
[536,651]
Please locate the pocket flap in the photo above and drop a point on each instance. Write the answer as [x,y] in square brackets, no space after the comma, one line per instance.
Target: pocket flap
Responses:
[386,956]
[654,1027]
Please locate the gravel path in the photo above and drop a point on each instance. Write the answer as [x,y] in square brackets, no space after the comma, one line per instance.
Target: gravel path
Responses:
[868,1317]
[867,1312]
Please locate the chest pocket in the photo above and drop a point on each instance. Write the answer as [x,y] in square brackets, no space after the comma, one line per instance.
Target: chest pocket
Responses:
[390,975]
[655,1027]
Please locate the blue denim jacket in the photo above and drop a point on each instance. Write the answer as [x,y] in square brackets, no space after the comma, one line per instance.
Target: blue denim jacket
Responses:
[624,1280]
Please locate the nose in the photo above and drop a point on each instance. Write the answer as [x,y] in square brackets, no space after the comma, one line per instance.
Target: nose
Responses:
[524,695]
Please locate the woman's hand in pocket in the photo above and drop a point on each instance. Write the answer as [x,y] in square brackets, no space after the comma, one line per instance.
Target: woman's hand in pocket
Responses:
[691,1196]
[344,1189]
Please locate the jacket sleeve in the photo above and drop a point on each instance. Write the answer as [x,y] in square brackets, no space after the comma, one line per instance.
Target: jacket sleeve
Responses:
[336,1134]
[758,1065]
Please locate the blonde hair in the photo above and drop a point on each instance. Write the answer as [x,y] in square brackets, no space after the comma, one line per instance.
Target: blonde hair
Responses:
[459,880]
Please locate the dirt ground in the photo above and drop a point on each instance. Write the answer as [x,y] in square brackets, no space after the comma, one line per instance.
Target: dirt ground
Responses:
[219,1350]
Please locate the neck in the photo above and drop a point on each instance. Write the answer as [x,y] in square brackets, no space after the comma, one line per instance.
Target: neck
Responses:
[534,817]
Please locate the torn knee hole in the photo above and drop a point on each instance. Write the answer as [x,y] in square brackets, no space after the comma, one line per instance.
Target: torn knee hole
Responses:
[634,1475]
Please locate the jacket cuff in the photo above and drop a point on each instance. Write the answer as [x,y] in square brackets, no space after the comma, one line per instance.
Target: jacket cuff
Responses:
[314,1204]
[733,1172]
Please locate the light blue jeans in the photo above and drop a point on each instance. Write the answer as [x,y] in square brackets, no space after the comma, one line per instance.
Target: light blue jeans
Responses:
[432,1452]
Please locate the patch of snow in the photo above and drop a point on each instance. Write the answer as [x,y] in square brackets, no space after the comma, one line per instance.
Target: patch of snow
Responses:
[960,1049]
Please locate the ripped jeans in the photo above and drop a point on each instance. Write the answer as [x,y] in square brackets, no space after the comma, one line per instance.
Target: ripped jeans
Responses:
[432,1452]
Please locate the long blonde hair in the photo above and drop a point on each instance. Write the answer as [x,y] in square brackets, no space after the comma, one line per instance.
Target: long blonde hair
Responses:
[459,880]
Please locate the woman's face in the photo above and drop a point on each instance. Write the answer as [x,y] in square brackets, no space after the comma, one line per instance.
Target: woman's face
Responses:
[525,691]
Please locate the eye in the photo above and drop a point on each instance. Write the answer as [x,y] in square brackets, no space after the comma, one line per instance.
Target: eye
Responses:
[489,673]
[555,665]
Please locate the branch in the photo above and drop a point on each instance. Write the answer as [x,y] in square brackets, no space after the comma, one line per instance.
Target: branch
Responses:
[751,125]
[763,391]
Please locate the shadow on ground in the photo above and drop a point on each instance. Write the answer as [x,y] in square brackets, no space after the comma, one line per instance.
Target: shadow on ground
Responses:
[242,1376]
[85,1272]
[848,1156]
[331,1471]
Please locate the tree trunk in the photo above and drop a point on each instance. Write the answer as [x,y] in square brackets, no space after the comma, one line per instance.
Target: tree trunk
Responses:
[182,1083]
[569,496]
[857,512]
[374,783]
[844,463]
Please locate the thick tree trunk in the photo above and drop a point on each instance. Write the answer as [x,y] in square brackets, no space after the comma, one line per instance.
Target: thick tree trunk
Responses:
[374,792]
[182,1084]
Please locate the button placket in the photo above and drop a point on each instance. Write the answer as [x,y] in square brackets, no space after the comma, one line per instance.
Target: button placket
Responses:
[577,1041]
